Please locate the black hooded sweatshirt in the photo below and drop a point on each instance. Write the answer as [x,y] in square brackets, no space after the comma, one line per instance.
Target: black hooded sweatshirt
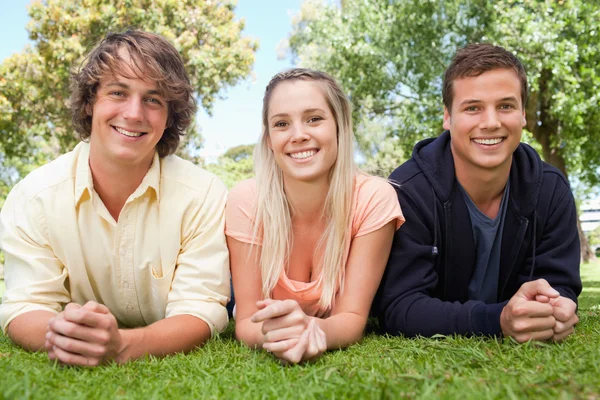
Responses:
[424,290]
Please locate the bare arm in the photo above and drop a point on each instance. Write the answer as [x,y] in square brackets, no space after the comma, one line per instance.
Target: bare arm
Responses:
[28,330]
[364,269]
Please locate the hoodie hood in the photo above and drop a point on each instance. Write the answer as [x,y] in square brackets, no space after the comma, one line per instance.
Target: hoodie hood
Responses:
[434,157]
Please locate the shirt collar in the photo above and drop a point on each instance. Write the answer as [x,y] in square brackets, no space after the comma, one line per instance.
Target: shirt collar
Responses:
[85,184]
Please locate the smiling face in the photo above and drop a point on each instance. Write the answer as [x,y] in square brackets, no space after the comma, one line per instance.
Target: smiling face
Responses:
[129,117]
[485,121]
[302,131]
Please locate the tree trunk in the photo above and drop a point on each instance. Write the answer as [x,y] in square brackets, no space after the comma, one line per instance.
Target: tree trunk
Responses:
[544,128]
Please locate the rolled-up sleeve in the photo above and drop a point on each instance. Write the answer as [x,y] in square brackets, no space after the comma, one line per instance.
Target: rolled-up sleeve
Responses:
[34,277]
[200,285]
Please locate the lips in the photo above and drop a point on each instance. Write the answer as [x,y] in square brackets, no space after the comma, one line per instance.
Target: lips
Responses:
[128,133]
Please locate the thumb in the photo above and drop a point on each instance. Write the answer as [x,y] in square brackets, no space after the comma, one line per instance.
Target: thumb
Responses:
[539,287]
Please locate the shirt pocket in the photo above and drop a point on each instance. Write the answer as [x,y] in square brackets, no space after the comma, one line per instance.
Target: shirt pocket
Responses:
[161,280]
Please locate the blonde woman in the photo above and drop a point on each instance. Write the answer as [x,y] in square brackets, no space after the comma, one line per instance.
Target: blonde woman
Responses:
[310,236]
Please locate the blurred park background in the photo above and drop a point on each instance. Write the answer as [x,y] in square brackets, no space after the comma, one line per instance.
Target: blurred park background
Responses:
[388,55]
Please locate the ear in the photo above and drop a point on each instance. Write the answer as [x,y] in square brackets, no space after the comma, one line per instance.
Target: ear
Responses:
[447,119]
[524,121]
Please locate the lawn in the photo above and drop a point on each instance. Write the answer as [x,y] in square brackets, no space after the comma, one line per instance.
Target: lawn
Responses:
[378,367]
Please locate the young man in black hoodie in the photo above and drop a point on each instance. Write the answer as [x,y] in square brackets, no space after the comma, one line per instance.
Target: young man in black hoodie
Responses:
[490,244]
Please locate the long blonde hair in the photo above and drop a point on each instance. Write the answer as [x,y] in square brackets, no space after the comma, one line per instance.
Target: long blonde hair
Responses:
[273,214]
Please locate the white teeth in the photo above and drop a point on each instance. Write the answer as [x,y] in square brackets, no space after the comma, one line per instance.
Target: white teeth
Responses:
[488,141]
[303,154]
[127,133]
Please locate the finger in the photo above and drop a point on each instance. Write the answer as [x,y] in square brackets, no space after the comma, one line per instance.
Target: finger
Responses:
[542,299]
[75,346]
[530,309]
[530,289]
[93,318]
[312,348]
[76,331]
[534,324]
[281,346]
[322,340]
[266,302]
[294,355]
[295,319]
[564,308]
[274,310]
[540,336]
[74,359]
[286,333]
[96,307]
[72,306]
[561,327]
[563,335]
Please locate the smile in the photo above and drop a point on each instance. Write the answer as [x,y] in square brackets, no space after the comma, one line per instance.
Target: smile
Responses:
[488,142]
[303,154]
[128,133]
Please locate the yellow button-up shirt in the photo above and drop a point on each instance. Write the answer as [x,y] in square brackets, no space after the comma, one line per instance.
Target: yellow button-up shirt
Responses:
[165,256]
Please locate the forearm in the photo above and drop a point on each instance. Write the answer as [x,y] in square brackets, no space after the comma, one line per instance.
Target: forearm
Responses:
[28,330]
[249,333]
[342,329]
[180,333]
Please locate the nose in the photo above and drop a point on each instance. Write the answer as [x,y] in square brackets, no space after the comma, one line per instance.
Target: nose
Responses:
[490,120]
[299,133]
[133,109]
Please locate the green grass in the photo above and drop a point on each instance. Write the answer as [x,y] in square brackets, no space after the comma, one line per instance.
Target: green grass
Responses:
[378,367]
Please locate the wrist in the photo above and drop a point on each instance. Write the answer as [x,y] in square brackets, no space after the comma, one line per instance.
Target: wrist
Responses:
[125,348]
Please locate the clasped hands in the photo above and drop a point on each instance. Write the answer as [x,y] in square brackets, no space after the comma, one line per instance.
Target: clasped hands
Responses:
[288,332]
[538,312]
[84,335]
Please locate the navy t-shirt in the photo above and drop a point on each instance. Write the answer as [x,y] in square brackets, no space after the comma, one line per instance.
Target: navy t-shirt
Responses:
[487,234]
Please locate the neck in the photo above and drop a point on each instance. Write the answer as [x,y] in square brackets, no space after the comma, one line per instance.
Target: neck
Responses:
[307,199]
[484,187]
[114,183]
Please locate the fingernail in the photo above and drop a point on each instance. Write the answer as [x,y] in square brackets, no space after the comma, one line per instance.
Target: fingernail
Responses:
[48,334]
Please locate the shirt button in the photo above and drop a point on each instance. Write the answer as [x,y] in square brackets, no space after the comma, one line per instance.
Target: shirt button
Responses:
[122,252]
[126,285]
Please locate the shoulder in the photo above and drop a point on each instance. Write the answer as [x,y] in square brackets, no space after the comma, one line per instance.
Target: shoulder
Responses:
[366,186]
[242,197]
[184,174]
[53,175]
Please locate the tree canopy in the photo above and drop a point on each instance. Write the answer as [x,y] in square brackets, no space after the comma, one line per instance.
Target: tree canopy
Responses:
[34,84]
[390,57]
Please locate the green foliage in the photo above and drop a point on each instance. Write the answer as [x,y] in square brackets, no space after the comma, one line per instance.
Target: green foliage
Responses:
[377,367]
[235,165]
[390,57]
[34,85]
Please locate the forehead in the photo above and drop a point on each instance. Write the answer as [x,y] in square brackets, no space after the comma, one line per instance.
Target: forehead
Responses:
[491,85]
[296,96]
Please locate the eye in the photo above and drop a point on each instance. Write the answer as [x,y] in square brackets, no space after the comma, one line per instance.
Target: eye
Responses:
[280,124]
[315,119]
[154,101]
[471,108]
[507,107]
[116,93]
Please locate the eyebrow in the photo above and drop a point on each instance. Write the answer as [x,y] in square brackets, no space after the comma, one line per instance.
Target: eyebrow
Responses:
[307,111]
[476,101]
[126,86]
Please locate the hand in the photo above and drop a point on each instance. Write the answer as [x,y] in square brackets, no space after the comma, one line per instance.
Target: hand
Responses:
[86,336]
[309,347]
[524,318]
[288,332]
[564,313]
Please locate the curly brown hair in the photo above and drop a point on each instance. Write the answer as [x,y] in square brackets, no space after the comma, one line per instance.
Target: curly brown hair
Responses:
[151,57]
[474,60]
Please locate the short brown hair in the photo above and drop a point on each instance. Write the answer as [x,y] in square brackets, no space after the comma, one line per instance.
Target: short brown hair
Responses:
[151,57]
[474,60]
